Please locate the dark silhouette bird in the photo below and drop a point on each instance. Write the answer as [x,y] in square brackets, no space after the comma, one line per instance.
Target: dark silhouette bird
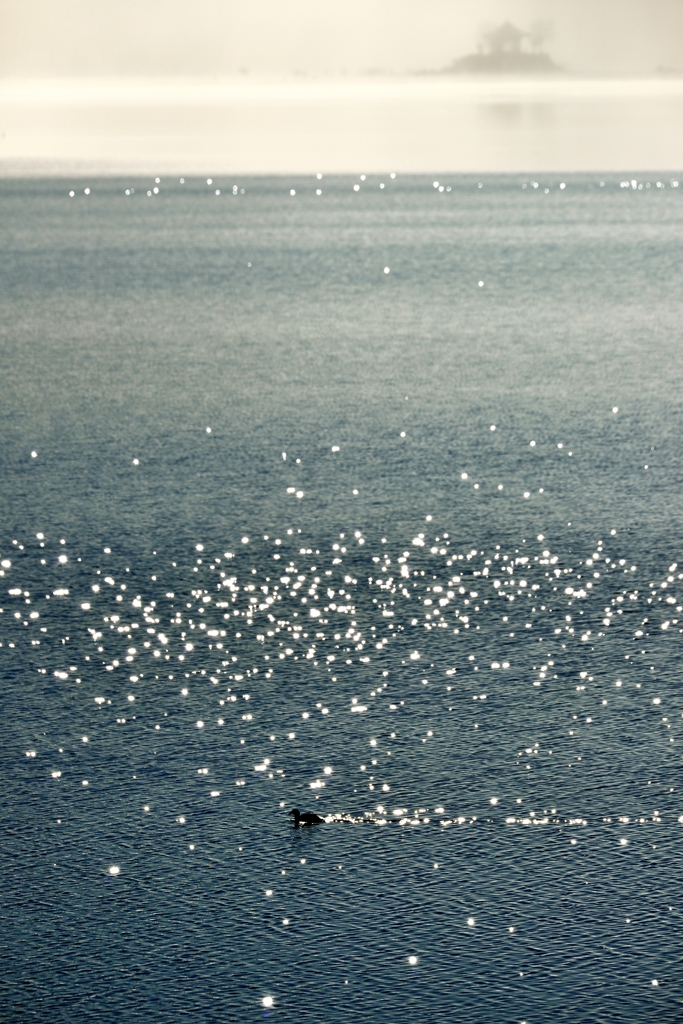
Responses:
[308,818]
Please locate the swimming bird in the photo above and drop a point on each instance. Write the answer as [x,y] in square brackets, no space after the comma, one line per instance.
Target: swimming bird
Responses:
[308,818]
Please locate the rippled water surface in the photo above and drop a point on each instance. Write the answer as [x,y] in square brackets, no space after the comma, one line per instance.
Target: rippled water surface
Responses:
[364,502]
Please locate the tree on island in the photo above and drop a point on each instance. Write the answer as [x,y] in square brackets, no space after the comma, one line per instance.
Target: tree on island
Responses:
[502,51]
[505,39]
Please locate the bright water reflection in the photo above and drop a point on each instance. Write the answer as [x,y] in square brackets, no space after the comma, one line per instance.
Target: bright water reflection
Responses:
[270,554]
[384,683]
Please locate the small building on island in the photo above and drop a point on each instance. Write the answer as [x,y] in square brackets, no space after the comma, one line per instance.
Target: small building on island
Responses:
[507,49]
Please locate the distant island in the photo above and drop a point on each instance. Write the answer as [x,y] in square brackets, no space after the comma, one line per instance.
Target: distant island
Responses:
[508,50]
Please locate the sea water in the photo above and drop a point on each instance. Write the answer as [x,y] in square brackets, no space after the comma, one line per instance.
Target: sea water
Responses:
[361,496]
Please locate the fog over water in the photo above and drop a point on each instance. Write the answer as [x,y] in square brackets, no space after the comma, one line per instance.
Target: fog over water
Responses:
[245,125]
[337,87]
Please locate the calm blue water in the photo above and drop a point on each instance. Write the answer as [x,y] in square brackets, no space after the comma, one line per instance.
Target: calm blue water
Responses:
[262,547]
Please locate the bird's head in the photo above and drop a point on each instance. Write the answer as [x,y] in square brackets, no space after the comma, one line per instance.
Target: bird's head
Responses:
[295,812]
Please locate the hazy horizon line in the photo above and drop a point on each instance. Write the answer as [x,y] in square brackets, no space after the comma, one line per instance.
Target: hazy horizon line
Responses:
[409,124]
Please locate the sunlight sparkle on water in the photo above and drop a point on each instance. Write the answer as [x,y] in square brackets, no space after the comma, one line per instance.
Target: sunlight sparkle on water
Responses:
[380,607]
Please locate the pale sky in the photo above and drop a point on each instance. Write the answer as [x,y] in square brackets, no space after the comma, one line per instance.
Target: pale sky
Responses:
[322,37]
[158,85]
